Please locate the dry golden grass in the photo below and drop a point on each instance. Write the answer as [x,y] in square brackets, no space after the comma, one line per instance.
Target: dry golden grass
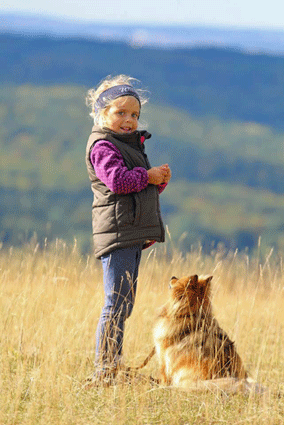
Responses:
[50,304]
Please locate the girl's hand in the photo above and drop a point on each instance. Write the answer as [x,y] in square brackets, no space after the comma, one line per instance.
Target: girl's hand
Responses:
[168,173]
[158,175]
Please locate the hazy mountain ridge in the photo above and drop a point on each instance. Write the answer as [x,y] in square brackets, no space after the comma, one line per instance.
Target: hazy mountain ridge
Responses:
[167,36]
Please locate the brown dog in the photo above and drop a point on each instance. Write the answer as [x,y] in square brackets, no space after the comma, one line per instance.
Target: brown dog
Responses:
[193,351]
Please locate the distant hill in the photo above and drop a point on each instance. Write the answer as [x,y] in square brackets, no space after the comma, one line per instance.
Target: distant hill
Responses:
[213,82]
[227,182]
[161,36]
[216,116]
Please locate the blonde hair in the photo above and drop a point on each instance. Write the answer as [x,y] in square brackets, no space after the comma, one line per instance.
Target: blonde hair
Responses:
[93,95]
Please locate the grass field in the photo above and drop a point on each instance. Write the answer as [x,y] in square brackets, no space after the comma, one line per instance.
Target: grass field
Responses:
[50,303]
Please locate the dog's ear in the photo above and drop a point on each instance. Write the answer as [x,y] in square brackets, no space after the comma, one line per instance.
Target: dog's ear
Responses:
[206,285]
[208,280]
[173,281]
[193,281]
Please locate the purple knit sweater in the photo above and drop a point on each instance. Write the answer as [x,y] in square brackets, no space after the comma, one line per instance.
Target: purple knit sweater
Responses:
[111,170]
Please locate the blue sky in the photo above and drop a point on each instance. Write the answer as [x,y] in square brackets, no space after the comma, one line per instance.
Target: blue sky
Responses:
[224,13]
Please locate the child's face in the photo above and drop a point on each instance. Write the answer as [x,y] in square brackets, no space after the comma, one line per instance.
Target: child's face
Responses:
[122,115]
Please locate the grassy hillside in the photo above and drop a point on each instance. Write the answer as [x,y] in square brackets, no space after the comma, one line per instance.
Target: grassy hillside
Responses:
[216,212]
[227,175]
[44,128]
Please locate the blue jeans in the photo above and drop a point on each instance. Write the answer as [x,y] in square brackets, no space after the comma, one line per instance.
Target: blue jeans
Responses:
[120,269]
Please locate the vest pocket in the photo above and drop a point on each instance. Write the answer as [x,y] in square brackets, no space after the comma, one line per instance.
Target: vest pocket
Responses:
[125,210]
[103,218]
[150,210]
[136,208]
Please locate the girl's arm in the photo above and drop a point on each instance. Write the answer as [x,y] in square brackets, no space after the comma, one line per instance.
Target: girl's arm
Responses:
[110,169]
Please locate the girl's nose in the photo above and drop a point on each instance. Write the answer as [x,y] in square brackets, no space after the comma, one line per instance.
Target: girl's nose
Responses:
[128,117]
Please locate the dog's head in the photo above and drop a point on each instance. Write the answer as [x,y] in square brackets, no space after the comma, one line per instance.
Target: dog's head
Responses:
[190,294]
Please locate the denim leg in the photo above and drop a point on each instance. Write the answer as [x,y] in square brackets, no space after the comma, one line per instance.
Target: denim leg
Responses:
[120,269]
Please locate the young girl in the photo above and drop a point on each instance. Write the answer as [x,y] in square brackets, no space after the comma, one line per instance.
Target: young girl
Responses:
[126,212]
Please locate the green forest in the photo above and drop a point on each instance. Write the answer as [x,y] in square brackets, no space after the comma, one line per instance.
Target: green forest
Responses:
[216,116]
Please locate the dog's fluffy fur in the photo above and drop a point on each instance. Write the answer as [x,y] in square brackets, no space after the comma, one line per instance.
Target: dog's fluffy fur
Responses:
[193,351]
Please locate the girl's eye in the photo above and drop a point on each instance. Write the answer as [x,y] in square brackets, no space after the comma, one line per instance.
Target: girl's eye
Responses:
[120,112]
[135,116]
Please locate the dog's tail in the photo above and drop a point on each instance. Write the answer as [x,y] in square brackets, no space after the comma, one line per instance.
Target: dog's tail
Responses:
[148,358]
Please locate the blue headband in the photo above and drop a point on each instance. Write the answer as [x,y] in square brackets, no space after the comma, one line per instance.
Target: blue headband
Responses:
[113,93]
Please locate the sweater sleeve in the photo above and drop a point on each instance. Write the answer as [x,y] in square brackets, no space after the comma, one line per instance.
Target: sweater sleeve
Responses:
[111,170]
[162,187]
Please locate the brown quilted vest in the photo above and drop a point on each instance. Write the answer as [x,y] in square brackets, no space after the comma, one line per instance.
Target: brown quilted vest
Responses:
[120,221]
